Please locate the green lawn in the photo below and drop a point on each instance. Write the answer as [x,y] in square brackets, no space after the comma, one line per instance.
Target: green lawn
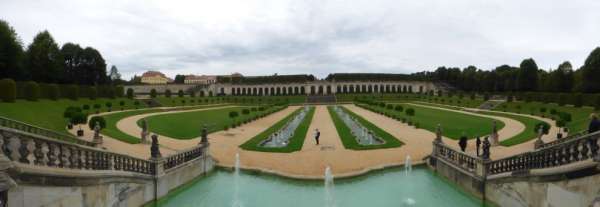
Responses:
[188,125]
[524,136]
[349,140]
[111,129]
[453,123]
[296,141]
[49,114]
[580,116]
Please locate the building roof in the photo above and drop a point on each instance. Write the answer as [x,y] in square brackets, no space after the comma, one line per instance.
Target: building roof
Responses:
[154,74]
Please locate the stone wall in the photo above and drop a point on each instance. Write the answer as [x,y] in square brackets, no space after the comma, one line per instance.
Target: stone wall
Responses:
[41,186]
[464,179]
[563,190]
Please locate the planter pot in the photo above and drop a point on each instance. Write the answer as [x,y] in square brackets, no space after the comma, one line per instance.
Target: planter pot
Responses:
[80,133]
[70,126]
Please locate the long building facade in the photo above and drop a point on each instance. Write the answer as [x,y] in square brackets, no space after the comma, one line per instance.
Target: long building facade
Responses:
[322,87]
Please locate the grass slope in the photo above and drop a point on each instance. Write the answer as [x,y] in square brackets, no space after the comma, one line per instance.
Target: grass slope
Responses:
[296,141]
[580,116]
[188,125]
[524,136]
[349,140]
[49,114]
[453,123]
[111,129]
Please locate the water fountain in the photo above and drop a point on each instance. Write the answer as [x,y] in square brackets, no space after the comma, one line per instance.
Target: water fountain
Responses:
[281,137]
[362,135]
[329,198]
[407,165]
[236,182]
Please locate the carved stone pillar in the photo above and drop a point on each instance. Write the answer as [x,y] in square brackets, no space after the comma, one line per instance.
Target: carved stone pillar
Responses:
[97,137]
[6,182]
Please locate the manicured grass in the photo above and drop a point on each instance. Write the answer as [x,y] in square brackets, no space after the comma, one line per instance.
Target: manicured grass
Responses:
[453,123]
[580,116]
[524,136]
[349,140]
[296,141]
[49,114]
[188,125]
[188,101]
[111,129]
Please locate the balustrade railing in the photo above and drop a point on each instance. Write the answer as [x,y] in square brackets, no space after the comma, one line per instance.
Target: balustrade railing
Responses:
[185,156]
[569,151]
[34,149]
[563,140]
[14,124]
[459,159]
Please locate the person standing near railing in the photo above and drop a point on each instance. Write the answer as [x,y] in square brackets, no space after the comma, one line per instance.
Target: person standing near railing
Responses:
[594,124]
[463,142]
[477,145]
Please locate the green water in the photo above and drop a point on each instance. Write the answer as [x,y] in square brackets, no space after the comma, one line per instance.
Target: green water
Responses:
[381,189]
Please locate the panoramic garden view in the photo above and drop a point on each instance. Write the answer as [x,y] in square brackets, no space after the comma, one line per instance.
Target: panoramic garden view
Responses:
[299,103]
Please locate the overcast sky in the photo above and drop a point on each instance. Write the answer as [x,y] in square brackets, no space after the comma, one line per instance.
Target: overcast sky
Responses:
[262,37]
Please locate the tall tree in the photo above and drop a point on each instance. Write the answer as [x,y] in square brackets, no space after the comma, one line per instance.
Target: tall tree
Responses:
[179,79]
[11,52]
[114,74]
[72,61]
[527,80]
[590,82]
[44,60]
[93,67]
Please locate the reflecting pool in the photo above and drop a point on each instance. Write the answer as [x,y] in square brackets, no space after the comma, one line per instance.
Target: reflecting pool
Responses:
[393,187]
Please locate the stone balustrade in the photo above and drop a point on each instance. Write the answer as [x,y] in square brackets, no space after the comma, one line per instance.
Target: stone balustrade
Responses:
[34,149]
[464,161]
[180,158]
[14,124]
[569,151]
[562,140]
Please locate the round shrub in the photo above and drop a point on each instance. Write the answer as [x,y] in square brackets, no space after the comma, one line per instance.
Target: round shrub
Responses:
[97,119]
[545,127]
[86,107]
[180,93]
[32,91]
[8,90]
[70,111]
[399,108]
[122,104]
[245,111]
[410,112]
[153,93]
[79,118]
[108,105]
[130,93]
[168,93]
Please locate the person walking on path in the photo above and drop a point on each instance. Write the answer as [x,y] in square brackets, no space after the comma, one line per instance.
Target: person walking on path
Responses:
[317,135]
[478,144]
[463,142]
[594,124]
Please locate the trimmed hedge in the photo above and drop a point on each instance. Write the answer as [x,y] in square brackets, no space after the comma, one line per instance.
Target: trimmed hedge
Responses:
[8,90]
[97,119]
[31,91]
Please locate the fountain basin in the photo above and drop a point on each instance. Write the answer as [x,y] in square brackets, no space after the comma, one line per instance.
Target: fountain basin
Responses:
[390,187]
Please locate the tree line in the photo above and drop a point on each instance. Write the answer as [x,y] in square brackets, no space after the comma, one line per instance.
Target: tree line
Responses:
[528,77]
[44,61]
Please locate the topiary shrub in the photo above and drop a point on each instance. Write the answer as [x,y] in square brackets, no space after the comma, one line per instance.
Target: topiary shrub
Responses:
[180,93]
[97,107]
[153,93]
[8,90]
[226,128]
[410,112]
[245,111]
[97,119]
[119,91]
[31,90]
[109,106]
[79,118]
[130,93]
[168,93]
[545,127]
[122,104]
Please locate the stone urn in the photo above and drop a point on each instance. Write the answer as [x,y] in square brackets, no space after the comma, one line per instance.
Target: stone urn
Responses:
[80,132]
